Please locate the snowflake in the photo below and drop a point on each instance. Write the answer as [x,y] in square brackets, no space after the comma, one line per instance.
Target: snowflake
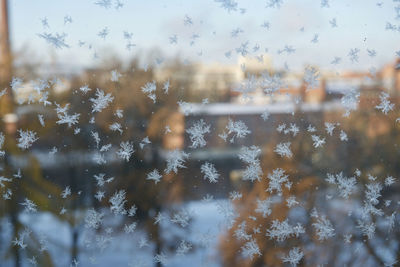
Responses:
[130,228]
[99,195]
[311,77]
[103,33]
[294,257]
[160,258]
[84,89]
[329,127]
[291,201]
[252,172]
[182,218]
[250,154]
[240,232]
[145,141]
[126,150]
[4,179]
[265,115]
[238,128]
[229,5]
[93,219]
[283,230]
[103,3]
[154,175]
[346,185]
[29,205]
[250,249]
[353,54]
[367,229]
[323,228]
[119,113]
[243,49]
[185,107]
[317,141]
[117,202]
[57,40]
[324,3]
[115,75]
[197,132]
[64,118]
[390,180]
[264,207]
[173,39]
[235,195]
[101,101]
[248,86]
[373,192]
[41,120]
[385,106]
[66,192]
[116,127]
[209,172]
[26,139]
[16,83]
[333,23]
[343,136]
[274,3]
[150,89]
[283,150]
[175,160]
[270,84]
[183,248]
[276,180]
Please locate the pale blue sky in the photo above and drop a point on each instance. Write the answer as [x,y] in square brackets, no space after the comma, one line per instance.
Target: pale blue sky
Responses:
[361,24]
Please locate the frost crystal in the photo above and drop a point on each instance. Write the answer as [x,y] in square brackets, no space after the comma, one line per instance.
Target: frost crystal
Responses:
[250,156]
[353,54]
[238,128]
[57,40]
[210,172]
[197,132]
[93,219]
[229,5]
[150,89]
[271,83]
[264,207]
[283,150]
[276,180]
[117,202]
[26,139]
[154,175]
[115,75]
[183,248]
[317,141]
[329,127]
[283,230]
[175,160]
[101,101]
[294,257]
[346,185]
[29,205]
[126,150]
[182,218]
[323,228]
[64,118]
[274,3]
[385,106]
[311,77]
[250,249]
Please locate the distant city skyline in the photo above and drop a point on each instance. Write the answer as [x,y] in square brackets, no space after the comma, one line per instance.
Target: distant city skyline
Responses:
[154,25]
